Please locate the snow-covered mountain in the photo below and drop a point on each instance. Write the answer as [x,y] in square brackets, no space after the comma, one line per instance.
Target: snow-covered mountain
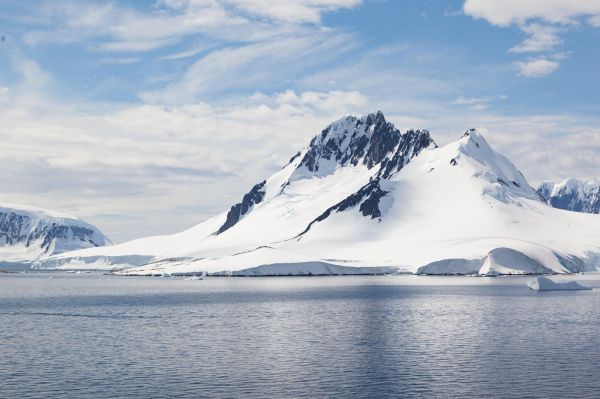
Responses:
[572,194]
[363,197]
[28,233]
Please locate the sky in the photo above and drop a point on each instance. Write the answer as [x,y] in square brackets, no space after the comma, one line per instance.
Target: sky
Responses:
[147,117]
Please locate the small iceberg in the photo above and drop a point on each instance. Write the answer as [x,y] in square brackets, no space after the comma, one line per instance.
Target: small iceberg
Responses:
[200,277]
[545,284]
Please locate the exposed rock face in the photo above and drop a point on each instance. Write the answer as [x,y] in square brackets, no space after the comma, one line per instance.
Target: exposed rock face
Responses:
[237,211]
[572,195]
[411,144]
[369,140]
[367,197]
[50,234]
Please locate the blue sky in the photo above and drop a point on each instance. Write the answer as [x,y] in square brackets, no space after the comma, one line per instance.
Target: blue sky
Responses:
[146,117]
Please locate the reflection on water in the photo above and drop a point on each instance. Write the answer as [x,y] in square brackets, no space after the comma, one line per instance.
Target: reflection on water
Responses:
[102,336]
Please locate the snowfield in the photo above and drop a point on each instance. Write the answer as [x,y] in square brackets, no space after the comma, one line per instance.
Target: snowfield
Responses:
[364,198]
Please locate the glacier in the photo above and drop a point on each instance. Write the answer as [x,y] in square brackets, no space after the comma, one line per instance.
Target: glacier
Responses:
[364,198]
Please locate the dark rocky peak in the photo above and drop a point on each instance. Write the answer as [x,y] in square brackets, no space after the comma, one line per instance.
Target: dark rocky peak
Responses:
[352,140]
[469,131]
[411,145]
[368,140]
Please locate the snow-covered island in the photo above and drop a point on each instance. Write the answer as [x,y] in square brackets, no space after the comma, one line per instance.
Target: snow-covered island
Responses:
[28,233]
[364,198]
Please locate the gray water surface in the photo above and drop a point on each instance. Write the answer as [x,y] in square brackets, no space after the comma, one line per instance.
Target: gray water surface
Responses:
[97,336]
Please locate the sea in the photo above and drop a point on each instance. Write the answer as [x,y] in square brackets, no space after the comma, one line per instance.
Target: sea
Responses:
[93,335]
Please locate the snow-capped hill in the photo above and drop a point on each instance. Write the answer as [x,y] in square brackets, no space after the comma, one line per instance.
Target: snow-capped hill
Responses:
[496,175]
[28,233]
[494,167]
[363,197]
[368,146]
[572,195]
[459,209]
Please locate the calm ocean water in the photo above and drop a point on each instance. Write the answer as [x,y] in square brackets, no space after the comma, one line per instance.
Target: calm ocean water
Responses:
[96,336]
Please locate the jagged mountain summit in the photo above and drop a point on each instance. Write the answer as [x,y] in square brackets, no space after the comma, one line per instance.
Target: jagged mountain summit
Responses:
[28,233]
[364,197]
[572,194]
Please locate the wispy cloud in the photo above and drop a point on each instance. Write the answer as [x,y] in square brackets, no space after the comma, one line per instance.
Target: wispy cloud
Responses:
[541,38]
[478,103]
[118,28]
[295,11]
[261,64]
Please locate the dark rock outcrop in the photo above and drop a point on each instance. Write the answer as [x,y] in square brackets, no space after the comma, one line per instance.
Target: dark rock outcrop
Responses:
[572,195]
[237,211]
[32,229]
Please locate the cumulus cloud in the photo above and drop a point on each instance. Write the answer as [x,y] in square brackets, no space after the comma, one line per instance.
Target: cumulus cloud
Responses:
[508,12]
[537,68]
[550,19]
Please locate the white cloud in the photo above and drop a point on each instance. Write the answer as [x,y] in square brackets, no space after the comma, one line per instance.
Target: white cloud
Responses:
[541,38]
[537,68]
[478,103]
[541,20]
[119,28]
[296,11]
[261,64]
[508,12]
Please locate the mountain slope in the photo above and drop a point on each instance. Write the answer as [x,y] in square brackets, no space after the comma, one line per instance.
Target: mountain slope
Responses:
[28,233]
[573,195]
[363,197]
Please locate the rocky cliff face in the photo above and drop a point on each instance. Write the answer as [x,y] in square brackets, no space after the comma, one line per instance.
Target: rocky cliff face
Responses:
[368,140]
[39,232]
[572,195]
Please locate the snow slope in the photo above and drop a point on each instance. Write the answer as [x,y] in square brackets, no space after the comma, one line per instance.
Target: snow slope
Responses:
[573,195]
[28,233]
[364,198]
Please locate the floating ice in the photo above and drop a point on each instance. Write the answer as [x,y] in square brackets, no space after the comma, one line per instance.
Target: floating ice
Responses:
[545,284]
